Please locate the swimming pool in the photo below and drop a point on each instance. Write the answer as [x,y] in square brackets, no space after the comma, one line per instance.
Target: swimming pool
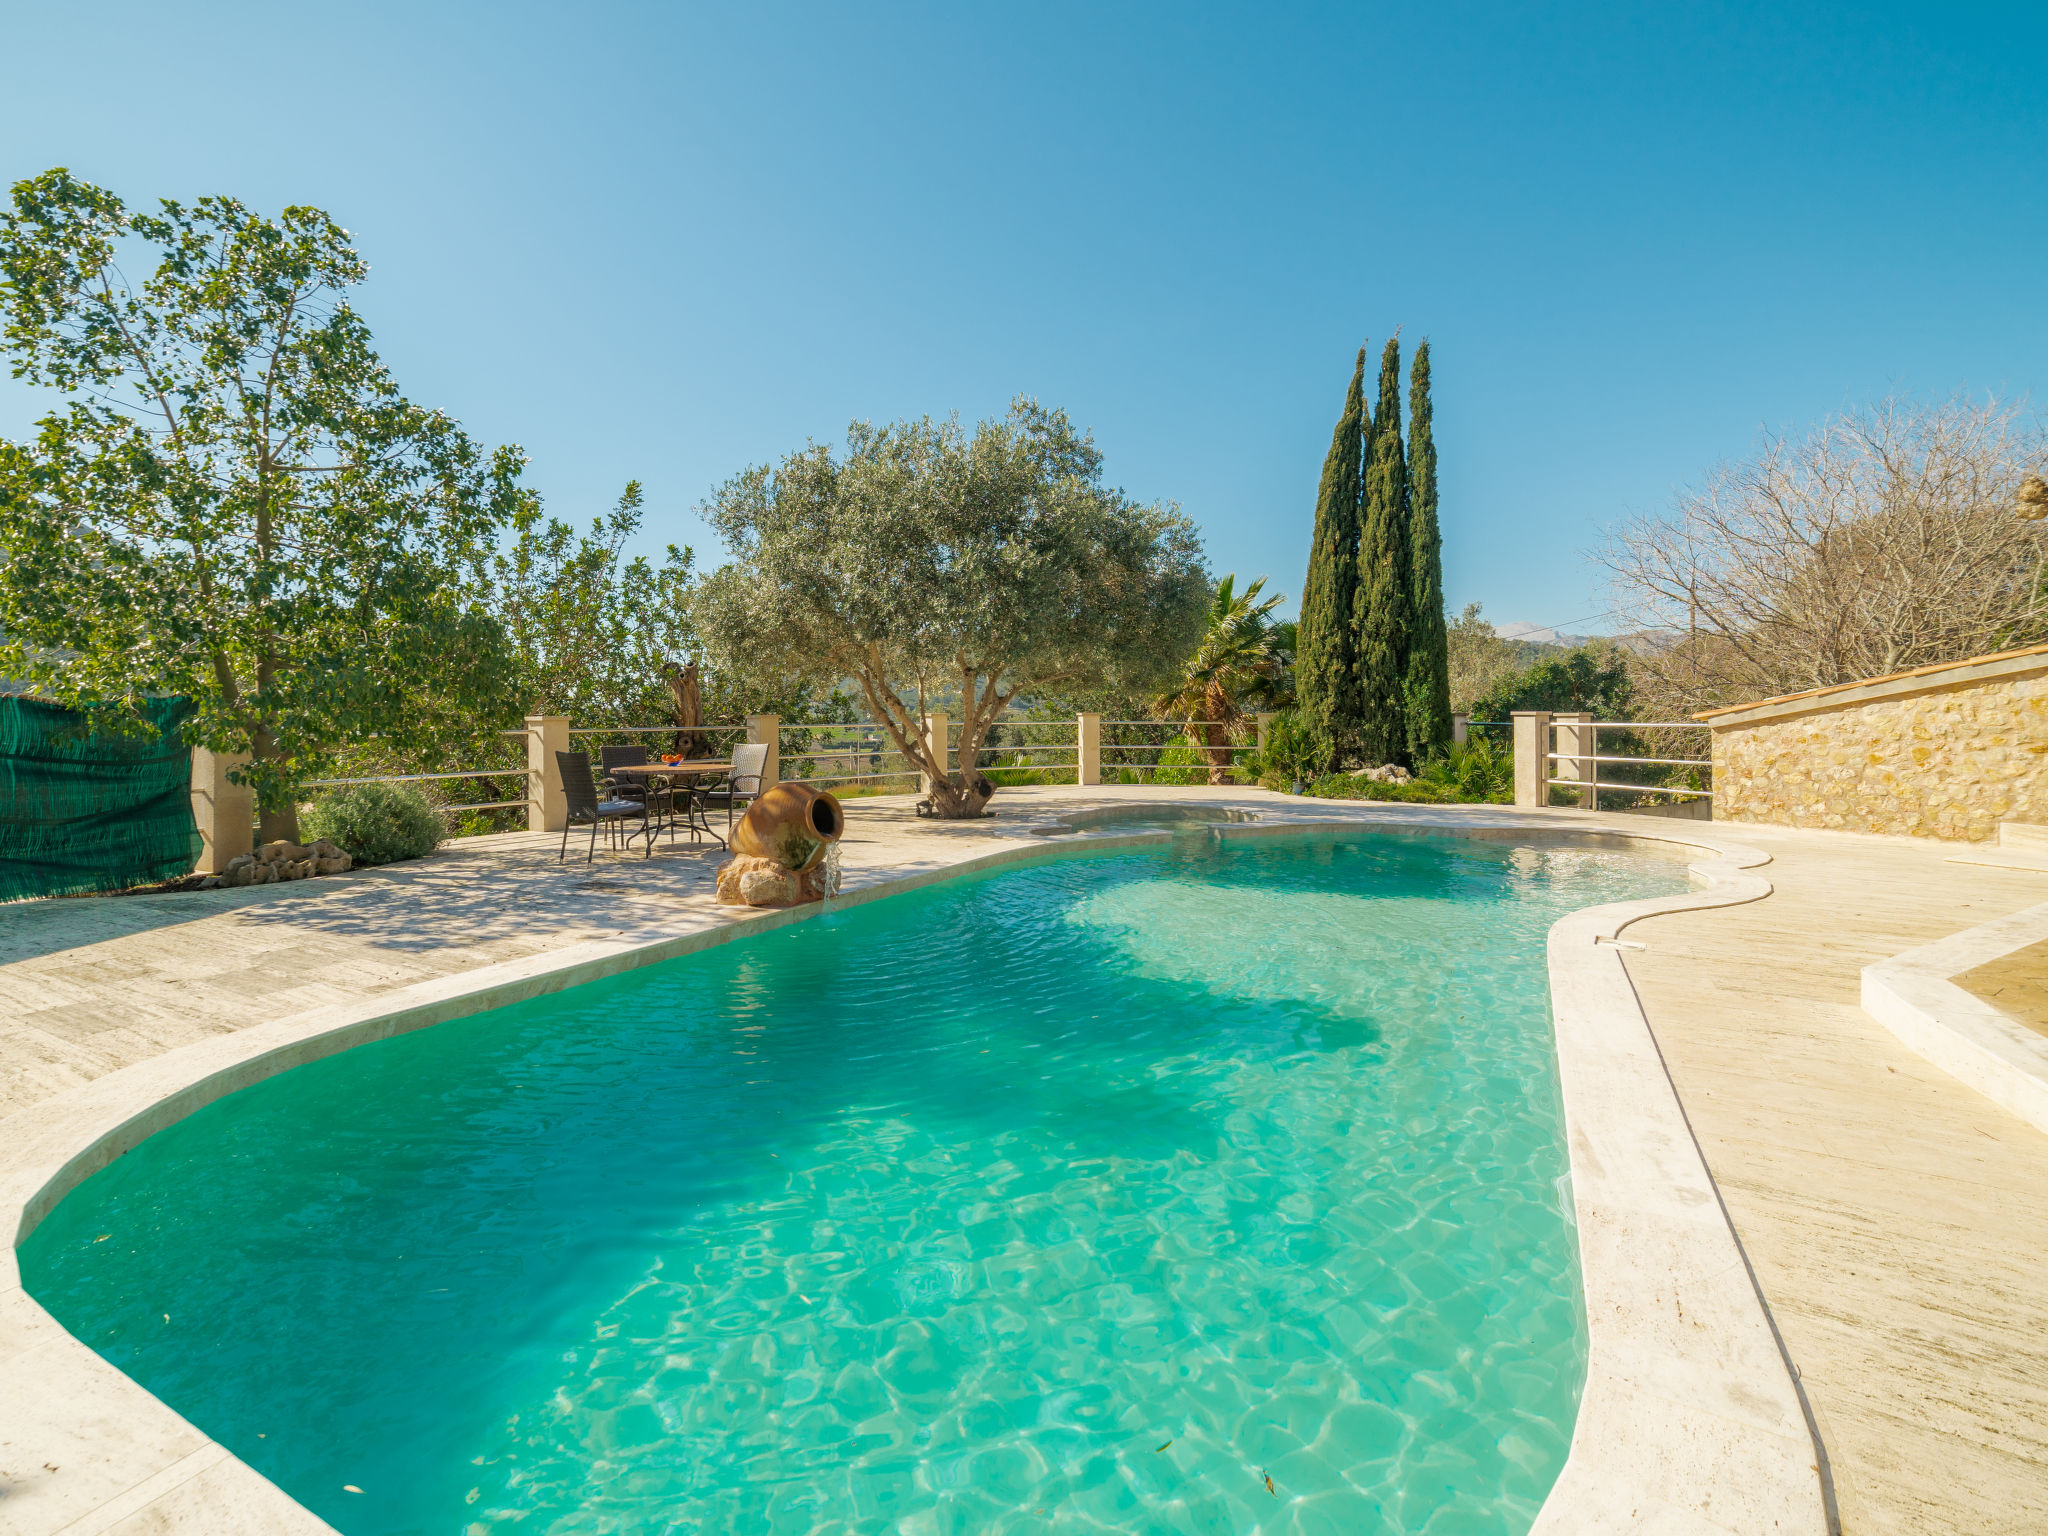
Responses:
[1084,1195]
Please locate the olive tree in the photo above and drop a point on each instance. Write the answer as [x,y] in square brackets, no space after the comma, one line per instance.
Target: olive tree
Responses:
[926,558]
[233,501]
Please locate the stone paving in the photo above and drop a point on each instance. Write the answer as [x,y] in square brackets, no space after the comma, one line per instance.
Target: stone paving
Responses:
[1893,1217]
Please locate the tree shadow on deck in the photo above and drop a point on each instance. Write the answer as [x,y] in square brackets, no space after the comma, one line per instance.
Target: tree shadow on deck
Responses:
[458,897]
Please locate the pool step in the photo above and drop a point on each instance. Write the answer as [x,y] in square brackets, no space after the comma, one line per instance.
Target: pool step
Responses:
[2020,846]
[2019,837]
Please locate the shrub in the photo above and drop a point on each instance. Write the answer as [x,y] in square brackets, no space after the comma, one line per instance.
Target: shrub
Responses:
[1349,786]
[1181,763]
[1477,773]
[1290,753]
[376,823]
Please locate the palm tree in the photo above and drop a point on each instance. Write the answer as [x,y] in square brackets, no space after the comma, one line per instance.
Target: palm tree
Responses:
[1275,690]
[1239,658]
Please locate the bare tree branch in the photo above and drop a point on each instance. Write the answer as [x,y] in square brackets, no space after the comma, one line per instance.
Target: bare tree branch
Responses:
[1886,539]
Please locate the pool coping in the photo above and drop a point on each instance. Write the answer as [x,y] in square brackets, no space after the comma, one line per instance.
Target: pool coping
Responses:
[1691,1419]
[1914,995]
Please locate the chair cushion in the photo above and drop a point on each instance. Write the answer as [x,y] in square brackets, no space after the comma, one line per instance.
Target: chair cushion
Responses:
[618,808]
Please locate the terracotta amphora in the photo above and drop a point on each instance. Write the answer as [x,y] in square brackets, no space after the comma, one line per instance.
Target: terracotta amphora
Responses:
[791,824]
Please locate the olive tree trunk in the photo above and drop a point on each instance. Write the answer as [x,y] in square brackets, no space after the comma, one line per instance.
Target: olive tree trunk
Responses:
[958,793]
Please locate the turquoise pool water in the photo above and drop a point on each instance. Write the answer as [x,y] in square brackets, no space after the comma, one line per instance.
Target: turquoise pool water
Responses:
[1083,1196]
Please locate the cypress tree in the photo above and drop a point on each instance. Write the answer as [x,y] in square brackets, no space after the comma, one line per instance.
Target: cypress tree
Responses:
[1429,649]
[1325,671]
[1382,623]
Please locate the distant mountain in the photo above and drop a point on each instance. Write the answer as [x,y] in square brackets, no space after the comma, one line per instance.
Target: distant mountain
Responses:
[1648,642]
[1642,642]
[1538,634]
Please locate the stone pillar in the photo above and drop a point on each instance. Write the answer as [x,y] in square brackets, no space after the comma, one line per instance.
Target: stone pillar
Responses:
[1265,721]
[547,808]
[1461,731]
[1088,733]
[1575,752]
[766,731]
[224,811]
[938,731]
[1532,757]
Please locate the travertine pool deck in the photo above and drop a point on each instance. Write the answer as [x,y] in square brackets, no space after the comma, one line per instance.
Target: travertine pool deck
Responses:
[1893,1218]
[1897,1220]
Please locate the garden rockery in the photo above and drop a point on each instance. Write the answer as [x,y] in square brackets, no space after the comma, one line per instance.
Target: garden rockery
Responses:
[286,861]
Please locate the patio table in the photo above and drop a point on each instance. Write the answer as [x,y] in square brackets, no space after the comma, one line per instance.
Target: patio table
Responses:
[690,768]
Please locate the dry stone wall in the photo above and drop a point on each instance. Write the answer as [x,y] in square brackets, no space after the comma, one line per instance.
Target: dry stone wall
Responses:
[1950,760]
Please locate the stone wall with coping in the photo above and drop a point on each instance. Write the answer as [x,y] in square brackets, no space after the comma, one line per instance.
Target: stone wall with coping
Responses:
[1946,752]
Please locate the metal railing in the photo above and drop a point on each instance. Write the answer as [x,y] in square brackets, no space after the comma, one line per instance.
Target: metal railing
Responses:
[866,753]
[646,730]
[844,752]
[1587,755]
[1173,725]
[532,797]
[1120,754]
[1010,745]
[453,808]
[863,750]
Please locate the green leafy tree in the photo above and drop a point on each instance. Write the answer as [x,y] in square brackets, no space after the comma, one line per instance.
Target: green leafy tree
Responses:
[234,502]
[603,638]
[1479,659]
[927,557]
[1428,682]
[1326,659]
[1236,655]
[595,632]
[1382,618]
[1591,678]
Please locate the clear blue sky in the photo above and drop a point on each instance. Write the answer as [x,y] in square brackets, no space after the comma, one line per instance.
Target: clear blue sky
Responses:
[665,241]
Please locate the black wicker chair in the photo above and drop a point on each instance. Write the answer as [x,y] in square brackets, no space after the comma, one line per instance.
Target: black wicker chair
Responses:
[743,785]
[660,802]
[609,758]
[580,789]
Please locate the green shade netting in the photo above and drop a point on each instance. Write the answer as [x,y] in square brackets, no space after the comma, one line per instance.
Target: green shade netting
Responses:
[84,811]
